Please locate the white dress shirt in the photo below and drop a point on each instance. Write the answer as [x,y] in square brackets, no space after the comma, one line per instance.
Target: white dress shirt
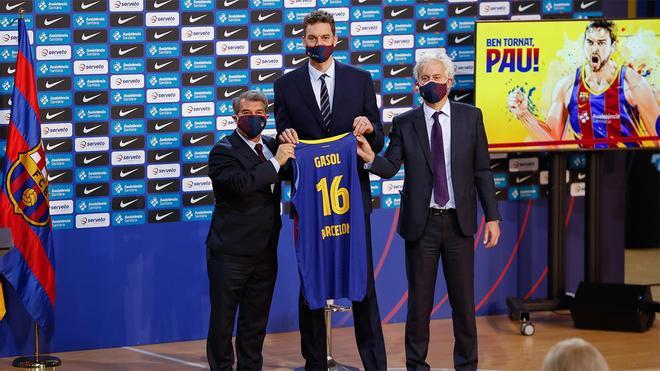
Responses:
[267,154]
[445,124]
[315,76]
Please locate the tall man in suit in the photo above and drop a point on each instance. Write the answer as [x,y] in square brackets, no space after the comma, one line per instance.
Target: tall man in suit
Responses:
[242,240]
[321,99]
[443,145]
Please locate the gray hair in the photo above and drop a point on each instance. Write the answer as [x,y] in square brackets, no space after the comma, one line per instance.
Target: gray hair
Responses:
[251,95]
[438,57]
[574,354]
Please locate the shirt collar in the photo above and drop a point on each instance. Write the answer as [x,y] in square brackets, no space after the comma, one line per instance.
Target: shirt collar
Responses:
[315,74]
[446,109]
[249,142]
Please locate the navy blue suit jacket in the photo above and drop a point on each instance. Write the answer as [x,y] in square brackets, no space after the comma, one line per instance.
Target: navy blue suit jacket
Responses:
[354,95]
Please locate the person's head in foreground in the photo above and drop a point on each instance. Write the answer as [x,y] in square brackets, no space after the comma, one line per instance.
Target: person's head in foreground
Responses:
[574,355]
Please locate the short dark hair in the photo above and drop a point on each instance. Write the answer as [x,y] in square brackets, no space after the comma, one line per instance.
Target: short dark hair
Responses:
[251,95]
[319,16]
[604,24]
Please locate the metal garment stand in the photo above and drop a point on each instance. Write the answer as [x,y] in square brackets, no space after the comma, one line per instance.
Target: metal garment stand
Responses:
[333,365]
[37,362]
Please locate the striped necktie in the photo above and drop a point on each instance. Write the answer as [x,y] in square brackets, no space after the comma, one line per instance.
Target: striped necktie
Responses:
[326,113]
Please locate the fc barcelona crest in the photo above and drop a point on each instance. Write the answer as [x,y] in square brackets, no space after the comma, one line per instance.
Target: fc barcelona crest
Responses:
[27,186]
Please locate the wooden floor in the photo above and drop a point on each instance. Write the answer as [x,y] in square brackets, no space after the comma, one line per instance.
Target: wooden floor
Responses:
[501,347]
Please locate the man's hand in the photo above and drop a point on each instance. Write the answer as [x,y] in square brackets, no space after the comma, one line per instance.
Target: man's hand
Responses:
[364,149]
[362,125]
[492,233]
[289,136]
[284,152]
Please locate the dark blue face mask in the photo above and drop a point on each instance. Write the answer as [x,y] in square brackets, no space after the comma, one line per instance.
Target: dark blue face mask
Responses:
[252,125]
[319,53]
[433,92]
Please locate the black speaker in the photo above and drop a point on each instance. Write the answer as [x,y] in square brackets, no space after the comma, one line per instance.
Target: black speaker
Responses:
[613,306]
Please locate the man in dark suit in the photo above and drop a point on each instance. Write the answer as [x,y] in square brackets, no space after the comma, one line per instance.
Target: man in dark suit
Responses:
[242,240]
[321,99]
[443,145]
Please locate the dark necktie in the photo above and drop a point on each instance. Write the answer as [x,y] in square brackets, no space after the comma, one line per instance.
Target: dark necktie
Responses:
[260,151]
[440,190]
[326,114]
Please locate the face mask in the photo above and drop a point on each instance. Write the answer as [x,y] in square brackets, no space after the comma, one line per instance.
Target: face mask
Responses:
[433,92]
[252,125]
[319,53]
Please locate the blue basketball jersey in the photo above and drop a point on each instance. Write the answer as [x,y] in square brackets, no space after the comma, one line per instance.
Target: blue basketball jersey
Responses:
[330,236]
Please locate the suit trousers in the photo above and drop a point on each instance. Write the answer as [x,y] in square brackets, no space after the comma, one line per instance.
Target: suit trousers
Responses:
[366,318]
[248,283]
[442,238]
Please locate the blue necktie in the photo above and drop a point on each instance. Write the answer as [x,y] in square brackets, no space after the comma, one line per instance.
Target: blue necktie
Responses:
[440,190]
[326,114]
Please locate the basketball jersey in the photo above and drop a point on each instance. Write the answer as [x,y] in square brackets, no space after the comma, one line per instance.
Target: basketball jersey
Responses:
[330,235]
[606,115]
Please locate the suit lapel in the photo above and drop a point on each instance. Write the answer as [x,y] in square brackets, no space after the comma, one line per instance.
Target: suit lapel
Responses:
[419,121]
[305,87]
[243,148]
[270,143]
[339,93]
[454,121]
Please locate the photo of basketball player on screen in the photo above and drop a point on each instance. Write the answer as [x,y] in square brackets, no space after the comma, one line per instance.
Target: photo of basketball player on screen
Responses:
[602,100]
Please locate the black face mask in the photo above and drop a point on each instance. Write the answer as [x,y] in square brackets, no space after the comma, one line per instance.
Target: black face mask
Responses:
[319,53]
[252,125]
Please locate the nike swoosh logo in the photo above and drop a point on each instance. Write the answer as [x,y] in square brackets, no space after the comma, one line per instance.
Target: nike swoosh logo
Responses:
[87,130]
[462,10]
[87,99]
[395,101]
[194,200]
[124,144]
[161,217]
[10,70]
[295,61]
[84,6]
[124,20]
[297,31]
[522,8]
[263,18]
[584,5]
[159,35]
[362,58]
[229,64]
[159,66]
[394,72]
[90,160]
[123,113]
[158,5]
[195,79]
[581,176]
[195,19]
[88,191]
[125,204]
[230,33]
[194,170]
[160,187]
[122,51]
[230,3]
[51,178]
[160,157]
[459,40]
[160,127]
[123,174]
[87,37]
[262,78]
[229,94]
[194,50]
[520,180]
[48,22]
[51,84]
[195,140]
[49,116]
[427,27]
[495,165]
[459,97]
[50,148]
[12,7]
[264,47]
[395,13]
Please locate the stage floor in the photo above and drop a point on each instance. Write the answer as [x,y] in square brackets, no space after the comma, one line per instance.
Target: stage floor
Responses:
[501,347]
